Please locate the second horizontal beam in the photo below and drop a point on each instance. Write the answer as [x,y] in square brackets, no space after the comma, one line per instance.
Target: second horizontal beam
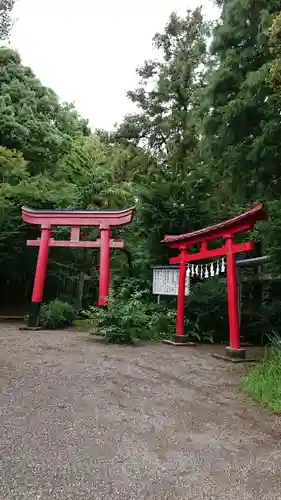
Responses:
[79,244]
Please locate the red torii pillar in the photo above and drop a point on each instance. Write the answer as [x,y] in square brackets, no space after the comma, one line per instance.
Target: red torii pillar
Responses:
[48,219]
[226,231]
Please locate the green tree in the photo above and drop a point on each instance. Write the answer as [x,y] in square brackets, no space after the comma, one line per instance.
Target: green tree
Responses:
[31,118]
[241,116]
[164,124]
[18,187]
[174,198]
[99,172]
[275,46]
[102,175]
[5,18]
[240,113]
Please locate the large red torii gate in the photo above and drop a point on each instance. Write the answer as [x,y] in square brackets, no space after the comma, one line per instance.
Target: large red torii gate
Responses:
[48,219]
[226,231]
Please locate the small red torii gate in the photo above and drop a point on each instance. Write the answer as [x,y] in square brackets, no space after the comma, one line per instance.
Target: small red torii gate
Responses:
[226,231]
[48,219]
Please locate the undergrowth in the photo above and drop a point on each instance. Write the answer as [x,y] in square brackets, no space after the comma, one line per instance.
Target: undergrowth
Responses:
[57,314]
[131,314]
[263,382]
[126,318]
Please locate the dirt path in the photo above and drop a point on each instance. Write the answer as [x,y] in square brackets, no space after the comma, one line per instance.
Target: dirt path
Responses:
[80,420]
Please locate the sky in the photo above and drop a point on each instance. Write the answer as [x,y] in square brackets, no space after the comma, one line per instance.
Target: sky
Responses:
[87,50]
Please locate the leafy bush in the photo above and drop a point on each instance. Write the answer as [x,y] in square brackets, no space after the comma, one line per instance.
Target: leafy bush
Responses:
[263,382]
[162,323]
[121,320]
[57,314]
[129,315]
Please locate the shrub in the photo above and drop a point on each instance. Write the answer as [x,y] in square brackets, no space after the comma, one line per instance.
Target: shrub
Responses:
[132,314]
[162,322]
[122,319]
[263,382]
[56,314]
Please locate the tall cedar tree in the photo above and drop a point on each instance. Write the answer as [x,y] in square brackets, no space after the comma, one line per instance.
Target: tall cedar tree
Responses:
[275,47]
[242,117]
[165,126]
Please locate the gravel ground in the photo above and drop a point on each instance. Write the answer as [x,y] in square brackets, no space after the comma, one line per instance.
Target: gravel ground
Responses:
[81,420]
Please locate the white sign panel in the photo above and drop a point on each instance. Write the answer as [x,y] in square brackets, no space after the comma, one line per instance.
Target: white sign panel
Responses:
[166,281]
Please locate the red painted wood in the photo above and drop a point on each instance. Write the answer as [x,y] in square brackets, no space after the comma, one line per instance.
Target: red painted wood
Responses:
[209,254]
[216,235]
[232,295]
[104,267]
[80,244]
[78,217]
[181,300]
[75,233]
[224,229]
[41,267]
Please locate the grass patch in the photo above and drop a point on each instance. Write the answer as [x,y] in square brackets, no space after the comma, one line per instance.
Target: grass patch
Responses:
[263,383]
[85,326]
[81,323]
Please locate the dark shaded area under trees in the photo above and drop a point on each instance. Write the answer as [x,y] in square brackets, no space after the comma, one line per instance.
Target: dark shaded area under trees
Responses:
[204,145]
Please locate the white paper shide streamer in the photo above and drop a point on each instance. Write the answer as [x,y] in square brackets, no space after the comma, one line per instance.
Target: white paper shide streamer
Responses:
[205,271]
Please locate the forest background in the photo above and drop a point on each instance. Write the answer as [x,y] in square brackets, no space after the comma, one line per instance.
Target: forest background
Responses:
[203,146]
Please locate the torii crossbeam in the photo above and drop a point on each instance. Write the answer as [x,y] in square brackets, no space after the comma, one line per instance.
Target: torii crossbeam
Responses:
[48,219]
[226,231]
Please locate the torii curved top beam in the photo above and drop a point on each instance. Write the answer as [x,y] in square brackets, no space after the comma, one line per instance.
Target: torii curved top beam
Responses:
[78,217]
[237,224]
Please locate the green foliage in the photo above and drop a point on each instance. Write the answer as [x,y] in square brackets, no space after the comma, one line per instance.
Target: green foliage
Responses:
[275,341]
[275,47]
[240,113]
[263,382]
[162,321]
[5,18]
[36,131]
[164,124]
[99,172]
[130,314]
[122,320]
[173,197]
[207,311]
[12,167]
[31,118]
[57,314]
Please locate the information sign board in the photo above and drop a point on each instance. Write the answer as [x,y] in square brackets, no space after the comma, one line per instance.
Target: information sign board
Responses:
[166,281]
